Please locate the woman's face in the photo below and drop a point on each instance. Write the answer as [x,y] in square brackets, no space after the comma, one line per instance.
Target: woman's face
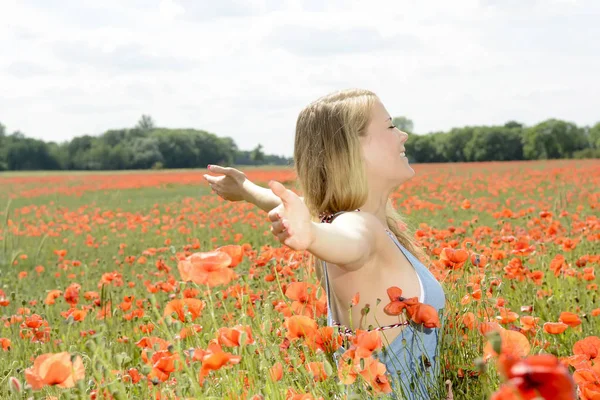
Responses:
[383,150]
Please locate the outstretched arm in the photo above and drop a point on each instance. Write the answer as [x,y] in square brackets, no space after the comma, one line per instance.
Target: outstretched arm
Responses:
[348,242]
[262,197]
[235,186]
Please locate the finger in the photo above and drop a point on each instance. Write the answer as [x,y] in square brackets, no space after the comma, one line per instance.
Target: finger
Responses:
[277,227]
[283,236]
[210,179]
[278,233]
[219,170]
[275,214]
[280,191]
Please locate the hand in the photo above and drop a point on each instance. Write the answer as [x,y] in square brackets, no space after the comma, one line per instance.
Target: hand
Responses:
[230,186]
[290,221]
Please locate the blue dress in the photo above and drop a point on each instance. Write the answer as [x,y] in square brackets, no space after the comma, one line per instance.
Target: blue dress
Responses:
[411,358]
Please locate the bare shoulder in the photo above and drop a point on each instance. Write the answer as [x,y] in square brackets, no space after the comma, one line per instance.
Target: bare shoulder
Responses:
[363,226]
[359,220]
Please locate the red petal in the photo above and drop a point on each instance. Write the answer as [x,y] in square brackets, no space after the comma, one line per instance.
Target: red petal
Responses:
[394,293]
[394,308]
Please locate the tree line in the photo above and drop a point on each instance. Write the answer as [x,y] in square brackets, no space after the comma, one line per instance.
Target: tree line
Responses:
[141,147]
[146,146]
[550,139]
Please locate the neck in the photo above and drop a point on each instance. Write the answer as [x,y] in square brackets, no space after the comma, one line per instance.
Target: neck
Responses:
[376,203]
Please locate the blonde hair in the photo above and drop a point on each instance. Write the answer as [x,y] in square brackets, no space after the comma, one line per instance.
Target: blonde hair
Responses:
[328,160]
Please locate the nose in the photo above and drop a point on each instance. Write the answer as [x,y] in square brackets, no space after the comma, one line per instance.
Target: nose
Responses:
[403,136]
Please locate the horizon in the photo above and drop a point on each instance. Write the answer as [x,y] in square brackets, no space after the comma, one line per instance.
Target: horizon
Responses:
[8,132]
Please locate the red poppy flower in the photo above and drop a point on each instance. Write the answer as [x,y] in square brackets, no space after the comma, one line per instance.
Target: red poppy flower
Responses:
[397,302]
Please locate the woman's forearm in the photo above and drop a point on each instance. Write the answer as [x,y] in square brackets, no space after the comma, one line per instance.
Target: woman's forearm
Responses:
[261,197]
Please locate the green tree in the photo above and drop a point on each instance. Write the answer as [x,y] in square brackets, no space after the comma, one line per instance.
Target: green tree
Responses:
[257,154]
[60,153]
[422,149]
[28,154]
[451,146]
[99,156]
[177,148]
[231,149]
[3,145]
[146,123]
[145,153]
[494,143]
[17,135]
[553,139]
[134,133]
[113,137]
[595,136]
[137,148]
[513,124]
[79,152]
[120,157]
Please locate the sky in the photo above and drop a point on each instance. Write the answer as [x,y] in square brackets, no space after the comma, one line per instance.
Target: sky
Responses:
[246,68]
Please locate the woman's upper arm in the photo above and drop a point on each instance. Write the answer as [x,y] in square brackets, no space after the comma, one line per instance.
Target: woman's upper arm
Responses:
[365,231]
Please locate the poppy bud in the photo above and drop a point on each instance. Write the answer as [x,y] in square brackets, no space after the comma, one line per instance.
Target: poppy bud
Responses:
[480,365]
[146,369]
[91,345]
[119,358]
[15,385]
[495,340]
[365,310]
[526,309]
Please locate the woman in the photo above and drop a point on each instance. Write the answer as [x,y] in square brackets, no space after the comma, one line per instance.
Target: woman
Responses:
[349,159]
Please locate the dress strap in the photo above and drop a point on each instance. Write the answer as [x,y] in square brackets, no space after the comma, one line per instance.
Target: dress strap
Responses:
[414,262]
[344,329]
[328,218]
[328,293]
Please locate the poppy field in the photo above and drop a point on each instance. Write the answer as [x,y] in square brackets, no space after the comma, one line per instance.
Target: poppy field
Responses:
[145,285]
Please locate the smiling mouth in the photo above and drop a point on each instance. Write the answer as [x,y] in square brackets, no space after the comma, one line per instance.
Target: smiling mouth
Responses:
[403,154]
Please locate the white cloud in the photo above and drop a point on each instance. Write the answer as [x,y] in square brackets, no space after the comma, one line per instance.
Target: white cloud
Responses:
[170,9]
[245,69]
[306,41]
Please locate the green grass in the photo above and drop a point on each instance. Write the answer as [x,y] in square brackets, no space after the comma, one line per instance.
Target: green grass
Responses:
[101,229]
